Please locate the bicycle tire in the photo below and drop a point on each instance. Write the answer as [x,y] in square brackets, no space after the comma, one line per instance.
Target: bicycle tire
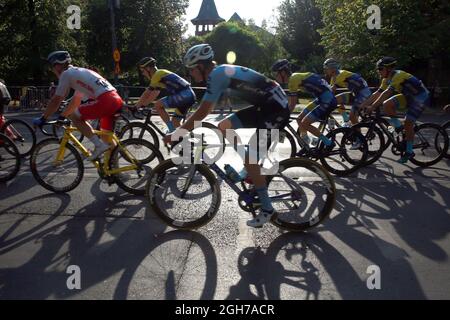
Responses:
[35,162]
[327,157]
[440,152]
[27,140]
[137,186]
[9,158]
[376,143]
[160,180]
[301,165]
[446,128]
[142,130]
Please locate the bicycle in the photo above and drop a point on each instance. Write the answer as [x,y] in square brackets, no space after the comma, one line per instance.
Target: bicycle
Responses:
[376,127]
[54,161]
[341,160]
[9,158]
[119,122]
[21,133]
[187,196]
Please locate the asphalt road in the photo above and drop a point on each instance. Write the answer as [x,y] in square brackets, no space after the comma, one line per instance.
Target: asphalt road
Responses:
[393,216]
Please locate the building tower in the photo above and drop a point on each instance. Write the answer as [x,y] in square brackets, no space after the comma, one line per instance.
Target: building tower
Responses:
[207,18]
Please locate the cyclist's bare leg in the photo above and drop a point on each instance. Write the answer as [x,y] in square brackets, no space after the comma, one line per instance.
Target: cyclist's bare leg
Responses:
[176,122]
[84,127]
[389,108]
[409,130]
[306,125]
[254,170]
[159,106]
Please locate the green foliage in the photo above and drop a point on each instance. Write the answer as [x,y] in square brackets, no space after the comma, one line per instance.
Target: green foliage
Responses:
[413,31]
[30,29]
[255,47]
[298,23]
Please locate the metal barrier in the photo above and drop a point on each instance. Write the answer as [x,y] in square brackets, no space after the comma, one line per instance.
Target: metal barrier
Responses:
[32,98]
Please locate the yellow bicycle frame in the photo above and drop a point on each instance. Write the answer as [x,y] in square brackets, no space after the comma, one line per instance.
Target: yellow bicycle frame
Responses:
[68,136]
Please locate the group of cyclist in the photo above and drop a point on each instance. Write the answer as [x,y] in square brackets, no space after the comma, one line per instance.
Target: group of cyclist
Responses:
[270,105]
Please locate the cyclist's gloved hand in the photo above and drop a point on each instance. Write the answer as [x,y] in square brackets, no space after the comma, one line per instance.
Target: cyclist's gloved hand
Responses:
[39,122]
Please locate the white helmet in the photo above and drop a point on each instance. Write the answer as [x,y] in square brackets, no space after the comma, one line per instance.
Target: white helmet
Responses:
[199,53]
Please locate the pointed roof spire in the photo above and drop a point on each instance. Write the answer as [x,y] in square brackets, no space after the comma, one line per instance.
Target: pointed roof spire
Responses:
[208,14]
[236,18]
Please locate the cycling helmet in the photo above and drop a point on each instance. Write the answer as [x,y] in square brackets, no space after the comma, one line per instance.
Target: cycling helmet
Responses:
[386,62]
[146,62]
[331,64]
[198,54]
[59,57]
[279,65]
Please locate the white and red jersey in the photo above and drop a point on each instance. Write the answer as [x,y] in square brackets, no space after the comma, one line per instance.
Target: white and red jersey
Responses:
[83,81]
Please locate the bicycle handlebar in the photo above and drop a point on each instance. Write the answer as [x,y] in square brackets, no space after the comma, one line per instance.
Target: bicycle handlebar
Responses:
[60,122]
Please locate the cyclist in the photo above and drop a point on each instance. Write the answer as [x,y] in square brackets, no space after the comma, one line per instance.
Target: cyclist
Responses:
[5,97]
[398,90]
[354,82]
[87,85]
[311,83]
[269,108]
[181,96]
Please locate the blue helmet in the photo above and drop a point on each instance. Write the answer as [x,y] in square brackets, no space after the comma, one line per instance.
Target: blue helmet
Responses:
[59,57]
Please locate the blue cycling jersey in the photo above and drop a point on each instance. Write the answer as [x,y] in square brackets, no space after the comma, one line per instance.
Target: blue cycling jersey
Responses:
[246,84]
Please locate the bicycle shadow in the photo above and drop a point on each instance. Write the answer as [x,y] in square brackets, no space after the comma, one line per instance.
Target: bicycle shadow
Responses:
[132,256]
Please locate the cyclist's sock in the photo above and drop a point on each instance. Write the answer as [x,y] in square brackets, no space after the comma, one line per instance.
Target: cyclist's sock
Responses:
[345,116]
[243,173]
[409,146]
[395,122]
[95,140]
[266,203]
[170,126]
[325,140]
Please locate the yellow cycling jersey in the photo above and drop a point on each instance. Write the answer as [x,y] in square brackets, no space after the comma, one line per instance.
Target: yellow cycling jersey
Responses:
[346,79]
[404,83]
[307,82]
[164,79]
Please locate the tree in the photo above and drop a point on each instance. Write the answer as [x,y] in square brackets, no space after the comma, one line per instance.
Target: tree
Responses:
[254,46]
[29,30]
[298,23]
[415,31]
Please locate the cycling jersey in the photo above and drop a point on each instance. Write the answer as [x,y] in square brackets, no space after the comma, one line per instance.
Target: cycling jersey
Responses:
[164,79]
[85,81]
[404,83]
[307,82]
[346,79]
[246,84]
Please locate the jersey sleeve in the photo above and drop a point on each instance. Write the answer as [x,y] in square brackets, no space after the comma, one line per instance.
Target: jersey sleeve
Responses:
[294,85]
[218,82]
[155,83]
[384,85]
[63,85]
[396,82]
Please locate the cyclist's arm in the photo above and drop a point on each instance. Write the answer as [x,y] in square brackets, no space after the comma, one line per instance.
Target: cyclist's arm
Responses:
[147,97]
[52,106]
[382,98]
[371,99]
[293,99]
[73,104]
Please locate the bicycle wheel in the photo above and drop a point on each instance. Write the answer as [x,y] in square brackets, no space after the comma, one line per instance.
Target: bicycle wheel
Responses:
[303,194]
[147,157]
[375,141]
[424,146]
[342,160]
[53,175]
[9,159]
[285,148]
[183,196]
[440,141]
[22,134]
[139,130]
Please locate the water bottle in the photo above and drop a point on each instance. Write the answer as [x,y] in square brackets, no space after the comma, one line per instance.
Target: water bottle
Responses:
[232,174]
